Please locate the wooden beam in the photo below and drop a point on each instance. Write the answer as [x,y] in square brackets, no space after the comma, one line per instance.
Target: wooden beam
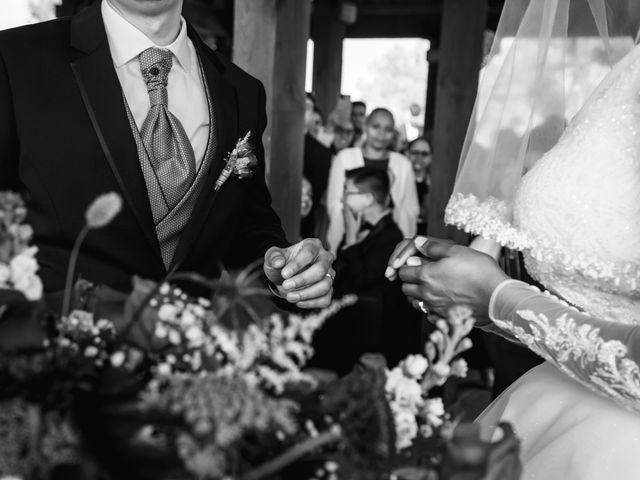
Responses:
[432,83]
[328,36]
[460,55]
[417,26]
[419,7]
[270,42]
[396,9]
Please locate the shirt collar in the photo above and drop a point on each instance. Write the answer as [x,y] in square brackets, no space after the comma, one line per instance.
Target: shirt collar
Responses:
[126,42]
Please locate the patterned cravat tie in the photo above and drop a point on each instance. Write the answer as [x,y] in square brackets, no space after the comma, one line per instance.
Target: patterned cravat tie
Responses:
[167,144]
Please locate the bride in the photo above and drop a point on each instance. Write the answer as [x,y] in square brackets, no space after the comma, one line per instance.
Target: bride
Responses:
[575,214]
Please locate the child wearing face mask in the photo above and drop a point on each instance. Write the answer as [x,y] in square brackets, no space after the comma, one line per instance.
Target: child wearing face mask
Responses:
[382,320]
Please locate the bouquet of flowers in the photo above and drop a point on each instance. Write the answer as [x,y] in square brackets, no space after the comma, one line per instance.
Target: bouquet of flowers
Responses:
[158,384]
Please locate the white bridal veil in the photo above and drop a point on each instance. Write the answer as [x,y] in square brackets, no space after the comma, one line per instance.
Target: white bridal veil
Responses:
[546,59]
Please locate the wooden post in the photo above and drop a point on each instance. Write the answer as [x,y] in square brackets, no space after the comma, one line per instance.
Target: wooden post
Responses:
[432,82]
[270,42]
[459,59]
[328,35]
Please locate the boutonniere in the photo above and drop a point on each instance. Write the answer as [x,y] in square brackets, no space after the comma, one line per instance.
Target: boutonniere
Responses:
[240,162]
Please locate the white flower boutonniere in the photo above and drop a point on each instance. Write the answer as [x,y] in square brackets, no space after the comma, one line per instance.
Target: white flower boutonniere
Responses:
[240,162]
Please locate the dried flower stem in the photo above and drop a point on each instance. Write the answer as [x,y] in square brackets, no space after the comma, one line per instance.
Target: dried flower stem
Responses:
[294,453]
[73,259]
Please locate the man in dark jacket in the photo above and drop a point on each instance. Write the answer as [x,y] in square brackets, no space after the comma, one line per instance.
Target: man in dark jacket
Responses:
[126,97]
[382,320]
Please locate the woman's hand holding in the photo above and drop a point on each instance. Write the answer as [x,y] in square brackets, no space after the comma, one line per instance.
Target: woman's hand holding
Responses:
[450,275]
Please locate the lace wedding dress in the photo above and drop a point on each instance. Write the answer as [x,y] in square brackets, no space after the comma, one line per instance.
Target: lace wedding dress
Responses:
[577,220]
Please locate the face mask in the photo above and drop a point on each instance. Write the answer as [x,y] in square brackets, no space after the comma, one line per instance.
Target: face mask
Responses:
[358,202]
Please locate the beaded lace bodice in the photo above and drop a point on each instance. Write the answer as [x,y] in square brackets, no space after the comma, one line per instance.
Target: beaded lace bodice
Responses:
[576,217]
[581,203]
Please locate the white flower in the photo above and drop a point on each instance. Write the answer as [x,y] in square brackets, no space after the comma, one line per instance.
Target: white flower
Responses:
[103,209]
[442,326]
[436,337]
[160,331]
[458,315]
[459,368]
[408,394]
[433,411]
[24,232]
[195,335]
[117,359]
[331,466]
[91,351]
[23,274]
[104,324]
[415,365]
[164,369]
[187,319]
[406,428]
[24,264]
[393,378]
[174,337]
[465,344]
[167,312]
[441,370]
[426,430]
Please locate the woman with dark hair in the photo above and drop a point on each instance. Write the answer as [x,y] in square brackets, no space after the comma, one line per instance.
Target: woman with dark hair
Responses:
[375,153]
[420,153]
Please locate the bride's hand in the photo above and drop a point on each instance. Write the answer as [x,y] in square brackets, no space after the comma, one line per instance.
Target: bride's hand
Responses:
[453,275]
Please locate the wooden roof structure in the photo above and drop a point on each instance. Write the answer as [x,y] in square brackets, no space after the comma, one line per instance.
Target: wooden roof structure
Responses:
[406,18]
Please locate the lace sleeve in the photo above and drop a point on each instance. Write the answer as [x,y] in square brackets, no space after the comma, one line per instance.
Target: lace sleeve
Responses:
[600,354]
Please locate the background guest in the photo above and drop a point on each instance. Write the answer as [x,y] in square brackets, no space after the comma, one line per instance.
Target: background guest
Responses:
[343,136]
[358,117]
[375,153]
[306,201]
[420,153]
[313,119]
[382,320]
[412,122]
[315,168]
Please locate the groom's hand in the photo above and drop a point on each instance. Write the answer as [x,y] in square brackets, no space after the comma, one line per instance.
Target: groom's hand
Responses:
[302,273]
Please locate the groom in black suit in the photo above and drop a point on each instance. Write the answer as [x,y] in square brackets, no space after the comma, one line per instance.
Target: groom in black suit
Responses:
[125,97]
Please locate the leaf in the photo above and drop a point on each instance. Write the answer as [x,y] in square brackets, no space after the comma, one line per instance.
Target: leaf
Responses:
[21,322]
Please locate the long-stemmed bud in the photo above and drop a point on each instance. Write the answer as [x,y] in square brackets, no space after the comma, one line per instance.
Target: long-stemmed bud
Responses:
[99,214]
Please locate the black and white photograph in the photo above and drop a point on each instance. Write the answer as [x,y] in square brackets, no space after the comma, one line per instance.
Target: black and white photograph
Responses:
[319,239]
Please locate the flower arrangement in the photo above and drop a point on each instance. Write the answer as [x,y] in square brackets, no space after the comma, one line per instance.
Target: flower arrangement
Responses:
[158,384]
[18,265]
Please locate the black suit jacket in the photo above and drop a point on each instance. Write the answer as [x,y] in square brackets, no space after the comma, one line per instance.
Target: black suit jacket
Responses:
[382,320]
[316,166]
[65,138]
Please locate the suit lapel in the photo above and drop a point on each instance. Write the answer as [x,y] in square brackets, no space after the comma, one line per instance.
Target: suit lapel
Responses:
[223,96]
[99,86]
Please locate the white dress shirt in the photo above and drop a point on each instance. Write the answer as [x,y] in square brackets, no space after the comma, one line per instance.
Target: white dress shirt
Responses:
[185,87]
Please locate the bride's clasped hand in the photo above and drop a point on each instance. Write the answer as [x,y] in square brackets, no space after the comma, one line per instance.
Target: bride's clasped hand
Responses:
[442,275]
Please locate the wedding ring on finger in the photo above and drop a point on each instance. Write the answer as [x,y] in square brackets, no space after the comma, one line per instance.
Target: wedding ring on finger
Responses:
[423,307]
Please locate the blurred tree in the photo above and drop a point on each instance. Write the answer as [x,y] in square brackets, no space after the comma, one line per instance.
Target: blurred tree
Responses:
[396,79]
